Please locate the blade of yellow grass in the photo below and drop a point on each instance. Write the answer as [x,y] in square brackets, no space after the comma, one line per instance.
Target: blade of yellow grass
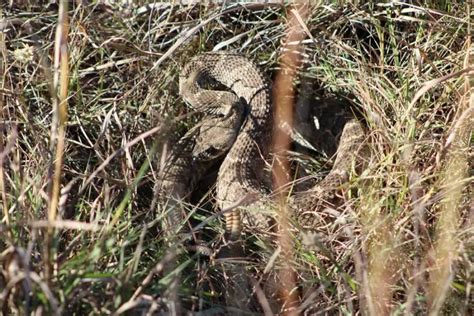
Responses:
[379,272]
[6,216]
[445,249]
[60,83]
[382,267]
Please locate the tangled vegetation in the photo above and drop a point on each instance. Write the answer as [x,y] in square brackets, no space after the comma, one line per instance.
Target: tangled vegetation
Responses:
[89,107]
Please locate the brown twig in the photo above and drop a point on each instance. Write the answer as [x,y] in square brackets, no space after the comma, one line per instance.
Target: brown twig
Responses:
[284,96]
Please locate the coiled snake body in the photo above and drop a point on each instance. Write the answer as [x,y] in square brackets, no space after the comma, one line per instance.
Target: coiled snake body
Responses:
[219,83]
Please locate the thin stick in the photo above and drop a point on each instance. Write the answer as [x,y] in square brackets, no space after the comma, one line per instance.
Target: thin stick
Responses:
[6,216]
[60,83]
[284,96]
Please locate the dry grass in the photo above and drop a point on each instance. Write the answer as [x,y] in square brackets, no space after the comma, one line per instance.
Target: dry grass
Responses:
[80,230]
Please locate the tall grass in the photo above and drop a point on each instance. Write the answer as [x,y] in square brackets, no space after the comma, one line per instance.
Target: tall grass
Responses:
[80,231]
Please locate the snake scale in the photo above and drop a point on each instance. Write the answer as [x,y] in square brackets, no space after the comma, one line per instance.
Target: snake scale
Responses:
[234,95]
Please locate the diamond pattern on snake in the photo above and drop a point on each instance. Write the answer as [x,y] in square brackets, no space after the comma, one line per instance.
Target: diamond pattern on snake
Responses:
[234,94]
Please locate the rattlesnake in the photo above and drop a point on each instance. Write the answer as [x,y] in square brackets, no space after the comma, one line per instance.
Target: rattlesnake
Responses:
[212,82]
[194,154]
